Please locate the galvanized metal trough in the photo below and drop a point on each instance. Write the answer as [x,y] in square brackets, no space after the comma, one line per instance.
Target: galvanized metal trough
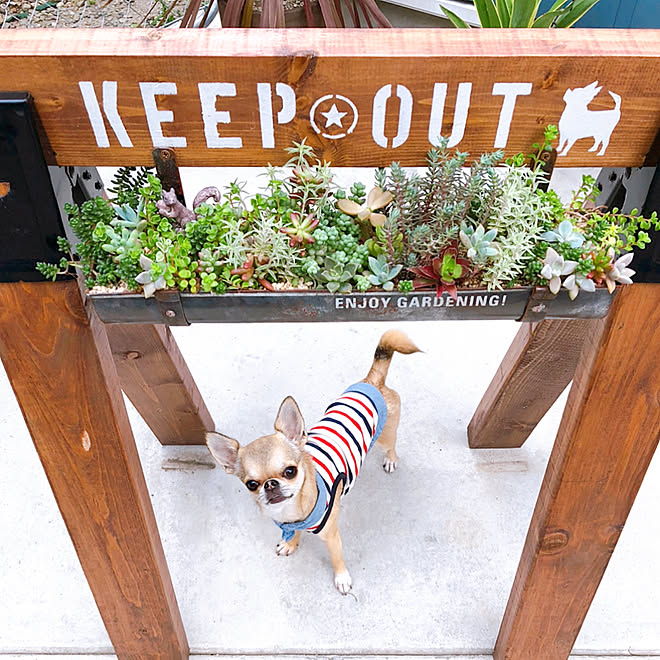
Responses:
[519,304]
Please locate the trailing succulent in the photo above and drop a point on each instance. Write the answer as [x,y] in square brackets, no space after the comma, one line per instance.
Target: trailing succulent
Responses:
[486,224]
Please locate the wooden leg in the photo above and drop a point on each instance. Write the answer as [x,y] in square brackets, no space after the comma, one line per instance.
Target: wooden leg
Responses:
[538,366]
[156,379]
[605,442]
[61,368]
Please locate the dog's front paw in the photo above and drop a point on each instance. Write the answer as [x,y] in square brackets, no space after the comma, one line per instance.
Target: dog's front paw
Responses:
[390,461]
[286,548]
[343,582]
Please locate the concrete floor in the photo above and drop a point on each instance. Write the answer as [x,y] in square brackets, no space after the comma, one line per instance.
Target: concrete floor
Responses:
[432,548]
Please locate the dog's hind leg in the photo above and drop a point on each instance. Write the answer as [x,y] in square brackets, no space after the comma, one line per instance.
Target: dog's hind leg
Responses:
[387,439]
[597,142]
[568,146]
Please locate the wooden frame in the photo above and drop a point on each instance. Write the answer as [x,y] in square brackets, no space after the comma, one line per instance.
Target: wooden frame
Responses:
[518,82]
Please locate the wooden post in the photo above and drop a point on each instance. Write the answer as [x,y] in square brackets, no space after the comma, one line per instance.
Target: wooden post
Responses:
[538,366]
[61,368]
[156,378]
[605,443]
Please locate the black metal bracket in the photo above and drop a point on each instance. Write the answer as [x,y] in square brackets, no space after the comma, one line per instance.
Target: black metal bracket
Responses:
[171,308]
[30,219]
[168,172]
[543,304]
[635,188]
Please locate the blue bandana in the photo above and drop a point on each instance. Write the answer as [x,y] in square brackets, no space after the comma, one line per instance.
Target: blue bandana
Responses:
[289,529]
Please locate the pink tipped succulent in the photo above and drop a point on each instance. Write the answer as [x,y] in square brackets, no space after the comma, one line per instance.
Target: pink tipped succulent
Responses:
[443,272]
[246,271]
[376,199]
[618,270]
[300,231]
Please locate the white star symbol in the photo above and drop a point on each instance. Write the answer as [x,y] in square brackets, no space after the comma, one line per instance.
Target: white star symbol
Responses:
[333,116]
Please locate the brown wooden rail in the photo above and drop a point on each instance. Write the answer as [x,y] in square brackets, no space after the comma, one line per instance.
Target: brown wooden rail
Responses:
[214,95]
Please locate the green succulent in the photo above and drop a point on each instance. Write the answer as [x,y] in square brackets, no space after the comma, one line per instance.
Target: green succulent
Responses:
[479,242]
[151,278]
[337,276]
[381,273]
[362,282]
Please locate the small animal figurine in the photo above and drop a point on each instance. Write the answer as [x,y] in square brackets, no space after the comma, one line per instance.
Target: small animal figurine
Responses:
[298,478]
[210,192]
[171,207]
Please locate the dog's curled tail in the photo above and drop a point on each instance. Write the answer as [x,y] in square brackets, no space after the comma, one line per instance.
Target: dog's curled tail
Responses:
[393,341]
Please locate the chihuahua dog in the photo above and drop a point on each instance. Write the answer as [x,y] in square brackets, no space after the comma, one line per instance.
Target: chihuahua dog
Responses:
[298,478]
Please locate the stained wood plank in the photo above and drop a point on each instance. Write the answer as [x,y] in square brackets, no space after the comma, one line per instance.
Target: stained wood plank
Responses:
[156,378]
[536,369]
[392,86]
[606,440]
[62,372]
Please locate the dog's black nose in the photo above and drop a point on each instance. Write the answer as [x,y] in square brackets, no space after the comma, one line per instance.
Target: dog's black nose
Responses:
[271,484]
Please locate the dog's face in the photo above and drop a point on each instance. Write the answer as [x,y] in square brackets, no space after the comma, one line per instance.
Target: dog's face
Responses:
[271,467]
[582,95]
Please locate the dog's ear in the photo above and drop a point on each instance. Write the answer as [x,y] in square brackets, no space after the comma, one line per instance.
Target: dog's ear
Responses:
[593,89]
[224,450]
[290,422]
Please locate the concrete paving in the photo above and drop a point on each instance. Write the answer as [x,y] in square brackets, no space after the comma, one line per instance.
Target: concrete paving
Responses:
[432,548]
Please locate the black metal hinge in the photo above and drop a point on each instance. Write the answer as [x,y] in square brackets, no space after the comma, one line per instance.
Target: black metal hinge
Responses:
[30,220]
[628,188]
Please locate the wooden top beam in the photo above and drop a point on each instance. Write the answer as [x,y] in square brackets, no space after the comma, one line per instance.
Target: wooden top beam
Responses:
[240,97]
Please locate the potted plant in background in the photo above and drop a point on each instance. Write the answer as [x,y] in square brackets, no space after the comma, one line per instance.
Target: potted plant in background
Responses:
[524,13]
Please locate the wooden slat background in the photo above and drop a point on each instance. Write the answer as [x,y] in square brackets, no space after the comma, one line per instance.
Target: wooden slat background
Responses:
[316,63]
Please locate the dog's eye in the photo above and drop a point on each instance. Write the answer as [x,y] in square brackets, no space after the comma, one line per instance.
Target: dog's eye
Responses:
[291,472]
[252,485]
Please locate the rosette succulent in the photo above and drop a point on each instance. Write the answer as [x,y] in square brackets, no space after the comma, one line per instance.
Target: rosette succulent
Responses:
[617,271]
[381,273]
[479,242]
[554,268]
[564,233]
[376,199]
[444,272]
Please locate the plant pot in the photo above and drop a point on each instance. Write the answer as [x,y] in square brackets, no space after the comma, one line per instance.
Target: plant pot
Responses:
[519,304]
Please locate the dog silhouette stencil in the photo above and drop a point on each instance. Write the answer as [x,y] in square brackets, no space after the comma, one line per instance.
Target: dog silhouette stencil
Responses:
[578,122]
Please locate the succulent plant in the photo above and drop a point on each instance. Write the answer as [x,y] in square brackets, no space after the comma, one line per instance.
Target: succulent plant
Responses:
[376,199]
[479,242]
[247,271]
[444,272]
[209,260]
[554,267]
[146,277]
[618,270]
[577,282]
[381,273]
[405,286]
[122,236]
[362,282]
[564,233]
[301,228]
[337,277]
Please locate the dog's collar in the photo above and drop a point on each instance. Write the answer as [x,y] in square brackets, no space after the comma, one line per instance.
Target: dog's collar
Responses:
[289,529]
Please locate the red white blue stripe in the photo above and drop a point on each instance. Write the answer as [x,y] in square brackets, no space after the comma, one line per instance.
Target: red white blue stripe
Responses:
[338,445]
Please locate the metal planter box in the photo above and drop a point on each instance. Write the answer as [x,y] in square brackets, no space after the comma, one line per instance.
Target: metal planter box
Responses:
[521,304]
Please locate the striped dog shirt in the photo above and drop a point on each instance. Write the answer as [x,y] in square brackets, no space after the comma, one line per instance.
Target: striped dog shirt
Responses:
[338,445]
